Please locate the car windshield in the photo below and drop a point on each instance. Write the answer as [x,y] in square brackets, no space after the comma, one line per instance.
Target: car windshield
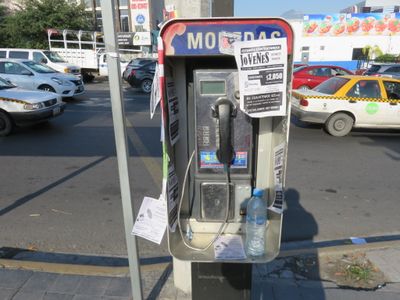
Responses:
[331,86]
[5,84]
[299,68]
[39,68]
[54,56]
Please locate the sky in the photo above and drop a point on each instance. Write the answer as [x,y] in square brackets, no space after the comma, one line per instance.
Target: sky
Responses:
[257,8]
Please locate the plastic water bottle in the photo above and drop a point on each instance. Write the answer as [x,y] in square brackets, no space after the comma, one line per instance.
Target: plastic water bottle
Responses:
[255,224]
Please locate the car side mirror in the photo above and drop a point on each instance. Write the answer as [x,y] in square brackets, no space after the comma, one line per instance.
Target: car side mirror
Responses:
[43,60]
[26,72]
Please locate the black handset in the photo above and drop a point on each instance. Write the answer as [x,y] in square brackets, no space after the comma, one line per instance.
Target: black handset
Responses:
[225,111]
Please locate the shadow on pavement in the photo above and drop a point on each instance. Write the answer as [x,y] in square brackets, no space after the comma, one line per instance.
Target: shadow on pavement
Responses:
[31,196]
[279,279]
[298,224]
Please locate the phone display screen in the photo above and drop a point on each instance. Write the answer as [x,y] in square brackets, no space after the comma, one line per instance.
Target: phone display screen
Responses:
[212,87]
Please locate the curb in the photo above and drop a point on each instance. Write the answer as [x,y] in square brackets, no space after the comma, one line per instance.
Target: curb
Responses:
[90,270]
[72,269]
[332,250]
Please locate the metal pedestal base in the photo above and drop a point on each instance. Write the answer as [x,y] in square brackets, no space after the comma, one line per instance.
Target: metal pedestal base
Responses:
[221,281]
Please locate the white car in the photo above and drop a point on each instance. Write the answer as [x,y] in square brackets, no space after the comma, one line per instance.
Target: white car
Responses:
[344,102]
[30,75]
[19,107]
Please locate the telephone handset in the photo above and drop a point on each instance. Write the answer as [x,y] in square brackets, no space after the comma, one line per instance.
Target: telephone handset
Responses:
[224,110]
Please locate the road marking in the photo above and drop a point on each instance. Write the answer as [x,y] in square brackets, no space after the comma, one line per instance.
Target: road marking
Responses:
[72,269]
[152,166]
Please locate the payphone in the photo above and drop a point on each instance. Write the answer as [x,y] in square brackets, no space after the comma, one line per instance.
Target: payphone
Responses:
[219,154]
[223,139]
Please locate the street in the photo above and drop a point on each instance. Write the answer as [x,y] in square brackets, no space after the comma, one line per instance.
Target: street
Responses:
[60,190]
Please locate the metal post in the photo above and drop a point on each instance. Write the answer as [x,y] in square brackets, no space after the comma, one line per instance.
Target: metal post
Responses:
[114,71]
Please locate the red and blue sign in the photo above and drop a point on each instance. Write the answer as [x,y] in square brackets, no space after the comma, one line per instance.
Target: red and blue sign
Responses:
[199,37]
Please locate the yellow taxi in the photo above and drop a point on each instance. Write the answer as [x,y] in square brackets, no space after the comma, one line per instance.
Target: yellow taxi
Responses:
[344,102]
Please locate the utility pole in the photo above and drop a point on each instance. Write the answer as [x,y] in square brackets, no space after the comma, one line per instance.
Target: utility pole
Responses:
[117,106]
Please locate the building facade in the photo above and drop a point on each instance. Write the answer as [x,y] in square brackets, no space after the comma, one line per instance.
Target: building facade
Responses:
[131,16]
[374,6]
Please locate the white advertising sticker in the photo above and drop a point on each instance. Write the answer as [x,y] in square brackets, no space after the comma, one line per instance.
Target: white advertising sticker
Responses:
[262,66]
[279,155]
[151,221]
[173,197]
[173,111]
[229,247]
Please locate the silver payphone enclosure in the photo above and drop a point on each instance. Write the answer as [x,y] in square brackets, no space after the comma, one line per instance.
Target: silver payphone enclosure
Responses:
[199,79]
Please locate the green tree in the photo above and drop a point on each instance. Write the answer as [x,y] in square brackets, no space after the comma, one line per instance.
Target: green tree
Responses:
[372,51]
[3,14]
[27,26]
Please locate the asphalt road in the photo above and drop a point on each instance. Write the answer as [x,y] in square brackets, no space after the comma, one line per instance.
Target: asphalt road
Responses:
[60,191]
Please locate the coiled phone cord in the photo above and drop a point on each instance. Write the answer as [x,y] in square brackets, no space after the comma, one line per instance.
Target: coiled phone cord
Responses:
[228,195]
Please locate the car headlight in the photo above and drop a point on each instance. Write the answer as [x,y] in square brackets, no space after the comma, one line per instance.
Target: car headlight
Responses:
[67,70]
[60,81]
[33,106]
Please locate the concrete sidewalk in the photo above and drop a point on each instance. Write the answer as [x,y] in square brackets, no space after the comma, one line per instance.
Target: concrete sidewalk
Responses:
[278,280]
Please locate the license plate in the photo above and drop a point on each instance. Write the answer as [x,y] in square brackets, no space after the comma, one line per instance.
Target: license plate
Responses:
[56,111]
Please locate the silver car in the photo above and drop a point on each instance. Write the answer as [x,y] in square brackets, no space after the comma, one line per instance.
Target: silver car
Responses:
[31,75]
[384,70]
[20,107]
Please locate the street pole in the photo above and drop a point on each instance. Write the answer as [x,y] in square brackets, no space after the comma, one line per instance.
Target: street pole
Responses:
[114,74]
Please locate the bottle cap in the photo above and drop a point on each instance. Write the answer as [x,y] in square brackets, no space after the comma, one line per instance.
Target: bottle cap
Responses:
[258,192]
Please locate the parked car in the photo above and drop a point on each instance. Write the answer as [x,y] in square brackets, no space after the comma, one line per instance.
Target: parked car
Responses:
[344,102]
[31,75]
[308,77]
[387,70]
[299,65]
[139,73]
[20,107]
[50,58]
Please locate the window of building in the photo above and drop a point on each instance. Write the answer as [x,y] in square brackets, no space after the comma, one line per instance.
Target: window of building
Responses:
[89,4]
[366,9]
[124,20]
[305,48]
[123,2]
[358,54]
[396,9]
[99,21]
[377,9]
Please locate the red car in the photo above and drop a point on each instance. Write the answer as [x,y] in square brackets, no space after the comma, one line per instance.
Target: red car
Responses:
[308,77]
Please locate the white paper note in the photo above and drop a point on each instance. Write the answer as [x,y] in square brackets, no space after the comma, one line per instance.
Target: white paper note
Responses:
[151,221]
[262,66]
[229,247]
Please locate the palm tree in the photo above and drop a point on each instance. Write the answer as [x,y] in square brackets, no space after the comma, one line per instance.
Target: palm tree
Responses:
[372,52]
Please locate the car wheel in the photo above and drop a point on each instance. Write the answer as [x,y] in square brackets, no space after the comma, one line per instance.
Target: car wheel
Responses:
[47,88]
[339,124]
[6,124]
[146,85]
[304,88]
